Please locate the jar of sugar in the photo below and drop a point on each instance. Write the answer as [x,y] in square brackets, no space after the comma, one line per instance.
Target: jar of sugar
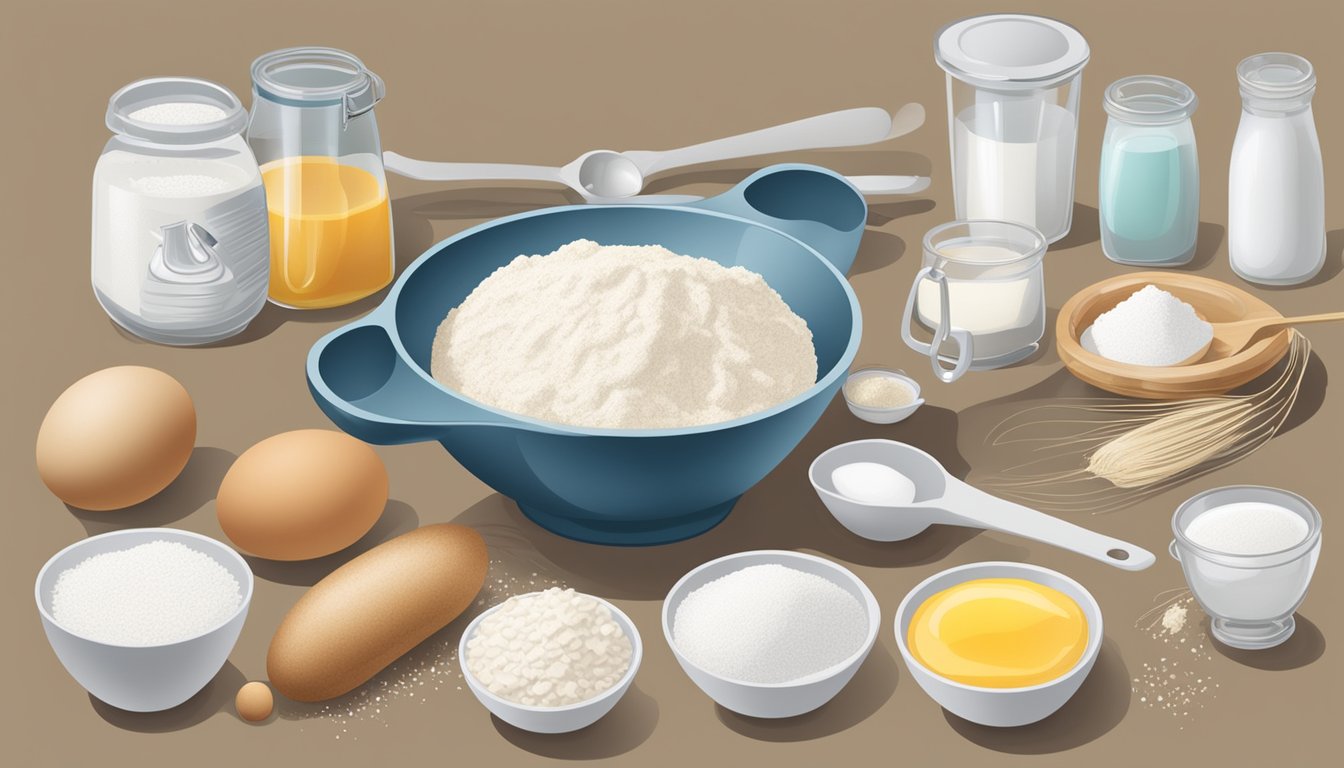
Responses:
[181,247]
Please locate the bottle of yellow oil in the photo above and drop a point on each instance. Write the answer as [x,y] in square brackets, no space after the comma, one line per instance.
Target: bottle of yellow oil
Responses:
[998,633]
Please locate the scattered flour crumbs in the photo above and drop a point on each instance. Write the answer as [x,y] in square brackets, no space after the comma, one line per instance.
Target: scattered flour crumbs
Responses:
[624,337]
[1177,682]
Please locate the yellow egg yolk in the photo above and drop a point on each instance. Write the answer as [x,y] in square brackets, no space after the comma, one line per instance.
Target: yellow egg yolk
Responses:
[998,633]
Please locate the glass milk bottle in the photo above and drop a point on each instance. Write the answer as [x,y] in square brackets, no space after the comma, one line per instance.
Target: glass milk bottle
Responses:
[1012,98]
[314,133]
[1276,185]
[180,249]
[1149,181]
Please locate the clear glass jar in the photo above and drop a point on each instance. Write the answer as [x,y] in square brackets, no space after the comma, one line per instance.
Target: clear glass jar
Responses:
[1012,110]
[1276,184]
[983,286]
[313,130]
[180,248]
[1149,179]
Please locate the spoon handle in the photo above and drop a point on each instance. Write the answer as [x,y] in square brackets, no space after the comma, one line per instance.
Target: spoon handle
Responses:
[970,506]
[1288,322]
[847,128]
[430,171]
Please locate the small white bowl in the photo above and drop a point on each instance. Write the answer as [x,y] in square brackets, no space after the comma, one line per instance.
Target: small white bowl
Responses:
[773,700]
[570,717]
[1000,707]
[882,415]
[142,678]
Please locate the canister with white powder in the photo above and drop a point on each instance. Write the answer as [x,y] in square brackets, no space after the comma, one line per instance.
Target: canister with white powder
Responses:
[180,248]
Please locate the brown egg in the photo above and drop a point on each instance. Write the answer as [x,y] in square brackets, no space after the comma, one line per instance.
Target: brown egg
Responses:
[254,701]
[116,437]
[301,495]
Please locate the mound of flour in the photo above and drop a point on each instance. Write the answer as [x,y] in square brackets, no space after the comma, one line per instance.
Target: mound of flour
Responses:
[625,337]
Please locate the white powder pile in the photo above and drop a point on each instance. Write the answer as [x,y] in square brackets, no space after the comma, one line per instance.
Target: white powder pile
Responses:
[182,185]
[880,392]
[1151,327]
[1247,528]
[1173,619]
[152,594]
[178,113]
[549,649]
[625,337]
[769,624]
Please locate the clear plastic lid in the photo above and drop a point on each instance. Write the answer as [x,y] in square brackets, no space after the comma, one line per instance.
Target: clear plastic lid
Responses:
[1149,100]
[1011,50]
[160,110]
[1276,79]
[316,76]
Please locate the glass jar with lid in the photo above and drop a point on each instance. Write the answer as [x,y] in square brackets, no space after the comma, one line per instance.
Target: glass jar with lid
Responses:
[1149,181]
[313,130]
[180,242]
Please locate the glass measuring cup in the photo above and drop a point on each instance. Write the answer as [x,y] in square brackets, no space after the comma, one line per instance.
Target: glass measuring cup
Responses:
[313,131]
[1250,599]
[1149,180]
[983,286]
[1012,111]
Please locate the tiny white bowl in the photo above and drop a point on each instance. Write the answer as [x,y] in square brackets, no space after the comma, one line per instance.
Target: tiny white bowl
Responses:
[773,700]
[882,415]
[1001,707]
[570,717]
[142,678]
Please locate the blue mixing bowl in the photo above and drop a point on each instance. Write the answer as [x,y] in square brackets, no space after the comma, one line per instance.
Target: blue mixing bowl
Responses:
[796,225]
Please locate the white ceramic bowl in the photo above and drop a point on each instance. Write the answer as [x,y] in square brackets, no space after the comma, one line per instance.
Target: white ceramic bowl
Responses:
[142,678]
[1001,707]
[882,415]
[773,700]
[570,717]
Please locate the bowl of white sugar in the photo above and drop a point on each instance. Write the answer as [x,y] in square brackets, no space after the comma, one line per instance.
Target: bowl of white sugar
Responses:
[881,396]
[552,661]
[1248,553]
[770,633]
[144,618]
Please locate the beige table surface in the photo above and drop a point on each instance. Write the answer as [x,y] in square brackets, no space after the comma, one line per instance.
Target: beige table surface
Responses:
[541,82]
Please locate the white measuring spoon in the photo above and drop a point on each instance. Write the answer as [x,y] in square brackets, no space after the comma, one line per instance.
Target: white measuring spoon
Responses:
[606,176]
[942,498]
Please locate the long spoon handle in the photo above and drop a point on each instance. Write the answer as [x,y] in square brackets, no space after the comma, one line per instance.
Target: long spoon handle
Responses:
[431,171]
[1288,322]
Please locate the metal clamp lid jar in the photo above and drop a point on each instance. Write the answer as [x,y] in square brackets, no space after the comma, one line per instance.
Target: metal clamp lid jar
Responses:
[314,132]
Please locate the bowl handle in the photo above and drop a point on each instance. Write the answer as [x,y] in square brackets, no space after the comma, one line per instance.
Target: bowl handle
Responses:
[813,205]
[362,382]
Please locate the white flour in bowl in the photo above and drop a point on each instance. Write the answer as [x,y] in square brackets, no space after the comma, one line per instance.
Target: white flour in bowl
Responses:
[624,337]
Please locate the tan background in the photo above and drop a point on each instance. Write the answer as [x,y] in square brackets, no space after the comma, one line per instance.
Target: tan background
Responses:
[542,82]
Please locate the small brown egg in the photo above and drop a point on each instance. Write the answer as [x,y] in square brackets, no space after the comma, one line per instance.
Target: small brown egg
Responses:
[116,437]
[254,701]
[300,495]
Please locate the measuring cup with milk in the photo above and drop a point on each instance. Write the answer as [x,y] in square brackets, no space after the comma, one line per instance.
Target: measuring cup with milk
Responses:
[983,287]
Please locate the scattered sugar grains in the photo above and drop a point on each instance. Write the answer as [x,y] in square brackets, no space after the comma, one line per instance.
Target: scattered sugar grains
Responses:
[549,649]
[880,392]
[1177,682]
[1151,327]
[178,113]
[152,594]
[769,624]
[624,337]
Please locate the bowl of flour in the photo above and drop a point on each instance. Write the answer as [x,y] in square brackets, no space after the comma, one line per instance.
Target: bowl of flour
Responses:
[624,373]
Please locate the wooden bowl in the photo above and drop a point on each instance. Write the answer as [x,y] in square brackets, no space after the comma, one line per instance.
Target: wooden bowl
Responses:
[1216,301]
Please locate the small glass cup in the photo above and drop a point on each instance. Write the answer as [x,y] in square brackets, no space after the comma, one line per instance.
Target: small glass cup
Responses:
[1149,180]
[1250,599]
[982,285]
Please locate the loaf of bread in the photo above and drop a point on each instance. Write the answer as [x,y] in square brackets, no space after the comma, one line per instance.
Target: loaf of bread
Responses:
[370,611]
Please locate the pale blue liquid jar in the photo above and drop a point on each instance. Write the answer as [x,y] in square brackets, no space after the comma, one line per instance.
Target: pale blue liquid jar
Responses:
[1149,190]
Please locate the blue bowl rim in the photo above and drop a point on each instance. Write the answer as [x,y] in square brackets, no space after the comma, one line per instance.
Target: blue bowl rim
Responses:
[384,316]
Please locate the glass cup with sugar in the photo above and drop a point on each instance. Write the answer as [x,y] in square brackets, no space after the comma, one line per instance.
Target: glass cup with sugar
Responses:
[982,286]
[1248,553]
